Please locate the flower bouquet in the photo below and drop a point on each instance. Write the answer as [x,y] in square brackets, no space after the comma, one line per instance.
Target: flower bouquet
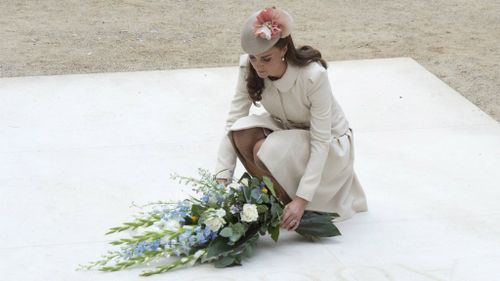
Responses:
[220,225]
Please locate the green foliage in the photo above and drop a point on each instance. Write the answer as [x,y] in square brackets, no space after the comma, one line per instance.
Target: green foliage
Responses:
[233,232]
[188,260]
[238,230]
[317,224]
[247,193]
[197,210]
[275,232]
[276,211]
[147,236]
[140,222]
[226,261]
[269,185]
[218,247]
[147,256]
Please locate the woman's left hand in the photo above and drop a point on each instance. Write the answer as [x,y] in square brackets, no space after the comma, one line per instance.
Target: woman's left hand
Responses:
[293,213]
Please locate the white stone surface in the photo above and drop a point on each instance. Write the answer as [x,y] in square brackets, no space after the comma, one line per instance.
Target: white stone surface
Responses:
[77,150]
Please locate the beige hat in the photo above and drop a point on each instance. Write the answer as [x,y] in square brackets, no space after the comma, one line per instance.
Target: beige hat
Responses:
[264,28]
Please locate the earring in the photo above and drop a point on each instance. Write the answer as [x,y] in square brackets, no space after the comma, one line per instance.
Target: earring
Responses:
[282,58]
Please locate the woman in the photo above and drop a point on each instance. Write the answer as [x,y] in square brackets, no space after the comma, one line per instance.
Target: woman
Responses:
[303,142]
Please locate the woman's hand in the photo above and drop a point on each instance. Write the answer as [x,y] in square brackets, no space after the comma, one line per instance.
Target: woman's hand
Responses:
[293,213]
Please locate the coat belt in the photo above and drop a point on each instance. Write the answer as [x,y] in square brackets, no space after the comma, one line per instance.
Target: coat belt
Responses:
[293,125]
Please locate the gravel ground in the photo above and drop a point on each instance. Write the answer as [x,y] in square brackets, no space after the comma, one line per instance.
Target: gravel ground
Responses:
[458,41]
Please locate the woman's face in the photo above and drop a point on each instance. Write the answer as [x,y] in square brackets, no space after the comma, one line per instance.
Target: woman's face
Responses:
[268,63]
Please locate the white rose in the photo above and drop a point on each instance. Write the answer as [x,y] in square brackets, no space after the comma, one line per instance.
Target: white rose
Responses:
[220,213]
[214,223]
[249,213]
[172,225]
[234,185]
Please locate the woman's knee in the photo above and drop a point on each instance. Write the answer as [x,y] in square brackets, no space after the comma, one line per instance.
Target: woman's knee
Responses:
[246,139]
[247,134]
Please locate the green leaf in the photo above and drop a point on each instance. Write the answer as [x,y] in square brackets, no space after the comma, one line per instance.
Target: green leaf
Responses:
[248,251]
[238,229]
[235,237]
[265,198]
[146,221]
[224,262]
[256,194]
[275,232]
[317,224]
[237,259]
[262,209]
[227,232]
[197,210]
[220,246]
[311,237]
[276,212]
[255,183]
[247,193]
[269,185]
[217,247]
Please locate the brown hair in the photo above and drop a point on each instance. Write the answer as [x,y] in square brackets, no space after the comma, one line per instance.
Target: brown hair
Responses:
[297,56]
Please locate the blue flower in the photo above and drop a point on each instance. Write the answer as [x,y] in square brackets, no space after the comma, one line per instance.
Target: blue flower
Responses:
[153,246]
[139,248]
[173,243]
[179,212]
[178,215]
[192,240]
[213,235]
[201,238]
[185,235]
[234,209]
[202,235]
[205,198]
[127,252]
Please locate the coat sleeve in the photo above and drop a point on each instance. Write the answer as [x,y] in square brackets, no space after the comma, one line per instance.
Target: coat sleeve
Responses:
[240,107]
[320,99]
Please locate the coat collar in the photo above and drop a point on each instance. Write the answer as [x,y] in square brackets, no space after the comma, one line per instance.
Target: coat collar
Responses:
[285,83]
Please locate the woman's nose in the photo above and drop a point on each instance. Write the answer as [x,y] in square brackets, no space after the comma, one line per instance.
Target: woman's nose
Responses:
[259,64]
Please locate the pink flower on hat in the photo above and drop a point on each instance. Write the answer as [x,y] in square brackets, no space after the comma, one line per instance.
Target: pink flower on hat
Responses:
[271,23]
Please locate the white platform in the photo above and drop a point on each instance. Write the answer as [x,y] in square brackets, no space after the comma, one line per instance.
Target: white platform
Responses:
[77,150]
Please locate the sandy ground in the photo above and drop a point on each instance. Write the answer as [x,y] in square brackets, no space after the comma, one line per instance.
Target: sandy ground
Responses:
[456,40]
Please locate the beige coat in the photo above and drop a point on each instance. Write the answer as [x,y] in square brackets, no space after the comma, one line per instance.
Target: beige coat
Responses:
[310,151]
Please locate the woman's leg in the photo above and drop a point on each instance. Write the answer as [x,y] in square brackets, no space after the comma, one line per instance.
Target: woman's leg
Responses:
[247,143]
[243,143]
[277,187]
